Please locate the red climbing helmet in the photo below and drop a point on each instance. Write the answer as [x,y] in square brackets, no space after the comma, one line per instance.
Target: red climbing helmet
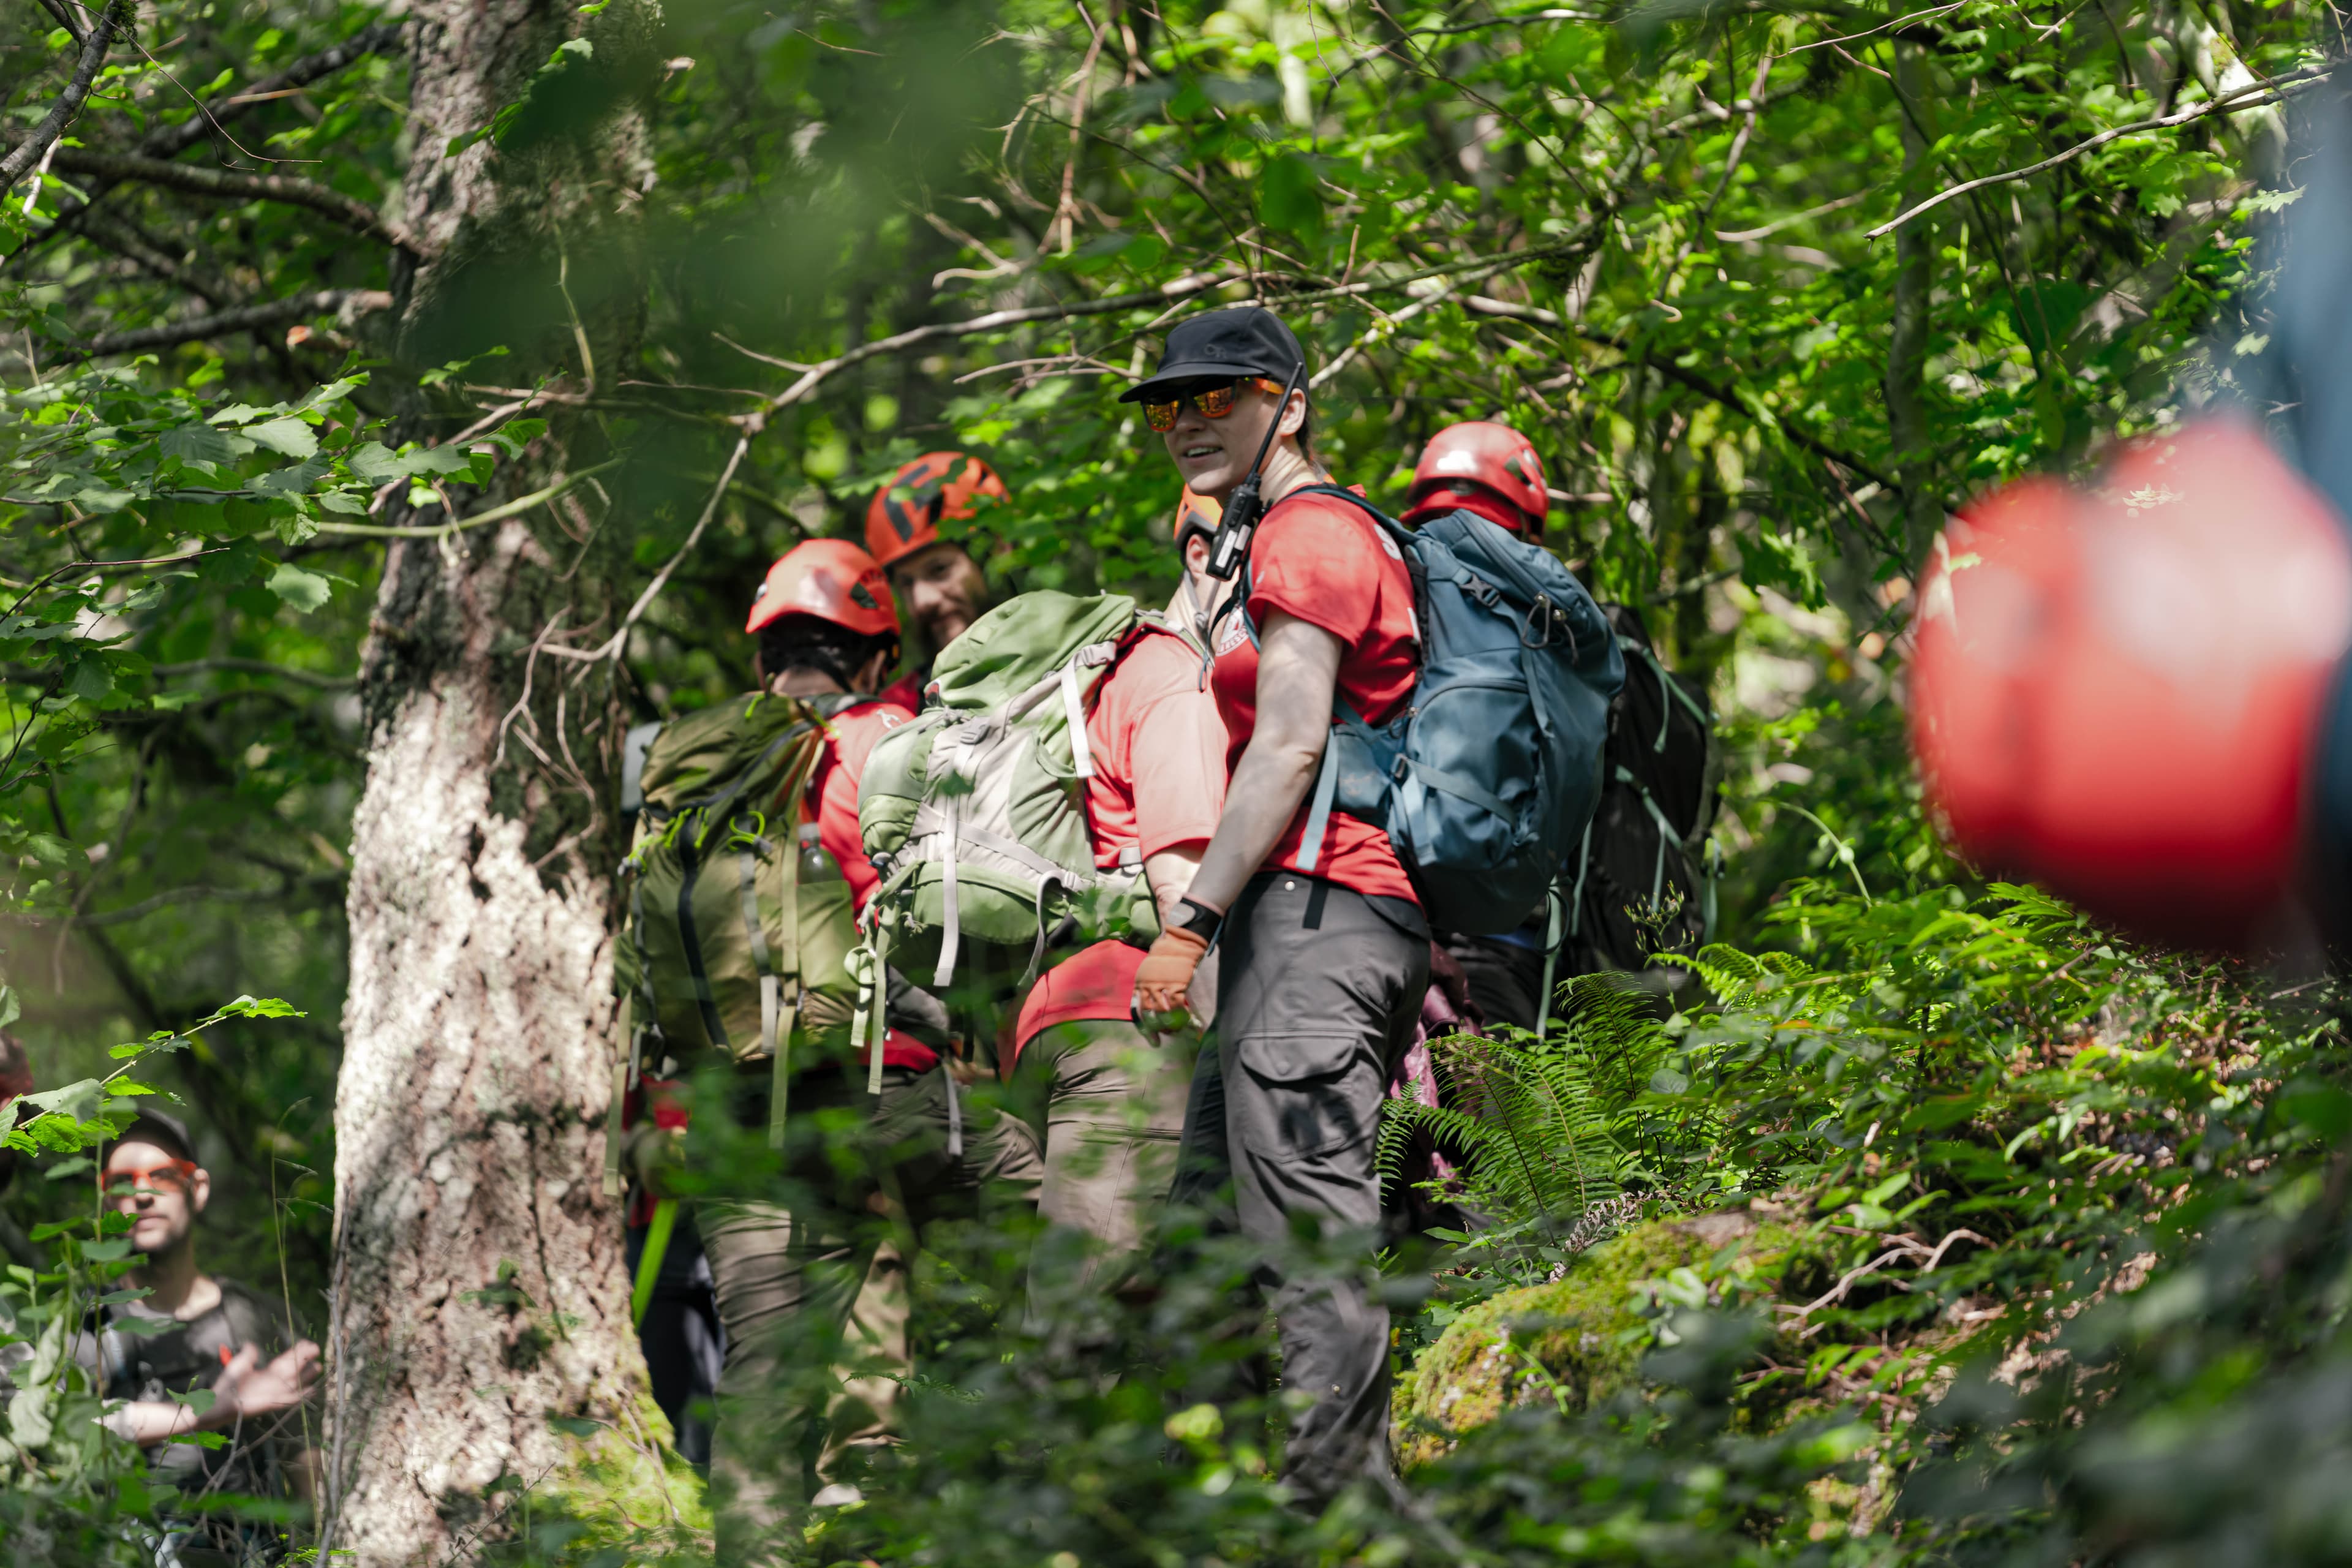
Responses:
[2118,690]
[831,579]
[1475,467]
[905,514]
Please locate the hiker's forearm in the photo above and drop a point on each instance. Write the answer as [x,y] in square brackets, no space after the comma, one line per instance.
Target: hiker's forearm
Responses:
[1170,872]
[1298,668]
[148,1422]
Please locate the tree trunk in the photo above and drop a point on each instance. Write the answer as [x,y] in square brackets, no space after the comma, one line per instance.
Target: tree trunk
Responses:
[480,1293]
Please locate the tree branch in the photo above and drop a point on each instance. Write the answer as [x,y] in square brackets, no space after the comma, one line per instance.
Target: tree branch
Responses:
[1481,306]
[1168,293]
[126,240]
[66,20]
[53,124]
[2258,95]
[353,214]
[165,141]
[259,667]
[252,318]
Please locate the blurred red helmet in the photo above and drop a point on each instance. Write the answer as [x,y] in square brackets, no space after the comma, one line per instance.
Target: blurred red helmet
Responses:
[831,579]
[1196,514]
[2119,691]
[1474,466]
[905,514]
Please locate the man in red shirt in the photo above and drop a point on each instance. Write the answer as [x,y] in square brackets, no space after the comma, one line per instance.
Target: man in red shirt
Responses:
[933,575]
[1108,1098]
[1325,952]
[827,628]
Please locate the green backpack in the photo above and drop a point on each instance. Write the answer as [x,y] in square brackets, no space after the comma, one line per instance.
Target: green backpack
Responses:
[726,949]
[975,814]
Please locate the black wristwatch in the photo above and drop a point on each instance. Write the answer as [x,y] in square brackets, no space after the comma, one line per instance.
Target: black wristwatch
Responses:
[1199,918]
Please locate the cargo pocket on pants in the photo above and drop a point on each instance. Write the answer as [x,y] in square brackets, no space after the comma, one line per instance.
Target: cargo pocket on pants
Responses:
[1308,1094]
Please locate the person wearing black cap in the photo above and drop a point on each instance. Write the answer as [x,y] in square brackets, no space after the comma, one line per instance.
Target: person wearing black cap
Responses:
[191,1331]
[1324,950]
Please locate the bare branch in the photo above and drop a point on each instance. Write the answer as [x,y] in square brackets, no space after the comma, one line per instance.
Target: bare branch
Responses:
[258,667]
[342,302]
[351,213]
[53,124]
[619,642]
[2257,95]
[514,507]
[1480,306]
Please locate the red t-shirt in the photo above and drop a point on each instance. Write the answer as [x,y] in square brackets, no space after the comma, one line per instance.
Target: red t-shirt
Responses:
[1326,563]
[907,692]
[1158,783]
[833,788]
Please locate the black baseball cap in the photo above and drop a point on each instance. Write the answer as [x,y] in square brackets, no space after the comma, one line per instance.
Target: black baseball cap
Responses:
[1247,339]
[160,1127]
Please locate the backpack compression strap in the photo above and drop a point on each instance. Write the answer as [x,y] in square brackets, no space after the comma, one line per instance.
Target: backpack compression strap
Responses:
[1673,692]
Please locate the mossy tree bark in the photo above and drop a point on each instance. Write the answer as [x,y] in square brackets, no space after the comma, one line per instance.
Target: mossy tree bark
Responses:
[480,1293]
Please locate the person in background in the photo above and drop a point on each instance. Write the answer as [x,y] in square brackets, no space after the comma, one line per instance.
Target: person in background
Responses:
[16,1082]
[192,1330]
[933,576]
[1325,952]
[1106,1096]
[1490,469]
[827,628]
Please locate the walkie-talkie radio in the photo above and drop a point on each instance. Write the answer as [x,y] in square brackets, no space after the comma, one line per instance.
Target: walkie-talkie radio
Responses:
[1231,547]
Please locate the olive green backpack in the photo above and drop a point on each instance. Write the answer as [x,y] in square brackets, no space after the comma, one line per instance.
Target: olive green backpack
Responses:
[975,812]
[724,949]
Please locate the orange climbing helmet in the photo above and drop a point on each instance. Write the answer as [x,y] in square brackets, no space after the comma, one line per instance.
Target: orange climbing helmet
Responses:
[1471,466]
[831,579]
[905,514]
[1196,514]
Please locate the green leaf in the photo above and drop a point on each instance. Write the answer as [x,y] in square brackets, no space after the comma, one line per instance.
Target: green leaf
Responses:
[200,446]
[261,1007]
[1289,197]
[289,436]
[302,591]
[76,1101]
[90,680]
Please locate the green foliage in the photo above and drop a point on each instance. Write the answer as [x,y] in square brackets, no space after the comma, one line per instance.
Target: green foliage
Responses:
[1649,246]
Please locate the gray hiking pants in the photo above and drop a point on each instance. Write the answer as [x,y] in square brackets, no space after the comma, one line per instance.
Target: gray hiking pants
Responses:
[1320,991]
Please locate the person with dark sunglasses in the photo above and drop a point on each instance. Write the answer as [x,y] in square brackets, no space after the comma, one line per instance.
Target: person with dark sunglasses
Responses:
[1324,955]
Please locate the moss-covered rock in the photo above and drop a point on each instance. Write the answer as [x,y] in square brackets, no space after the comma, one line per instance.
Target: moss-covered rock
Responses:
[1579,1339]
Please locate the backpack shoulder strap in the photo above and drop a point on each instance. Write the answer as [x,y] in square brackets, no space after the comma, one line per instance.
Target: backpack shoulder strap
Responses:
[1238,601]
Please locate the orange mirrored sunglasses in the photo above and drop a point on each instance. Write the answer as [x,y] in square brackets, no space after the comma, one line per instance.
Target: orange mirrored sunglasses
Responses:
[1213,402]
[165,1176]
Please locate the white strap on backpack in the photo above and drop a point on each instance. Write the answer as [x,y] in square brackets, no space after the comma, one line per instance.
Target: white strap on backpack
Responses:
[1074,708]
